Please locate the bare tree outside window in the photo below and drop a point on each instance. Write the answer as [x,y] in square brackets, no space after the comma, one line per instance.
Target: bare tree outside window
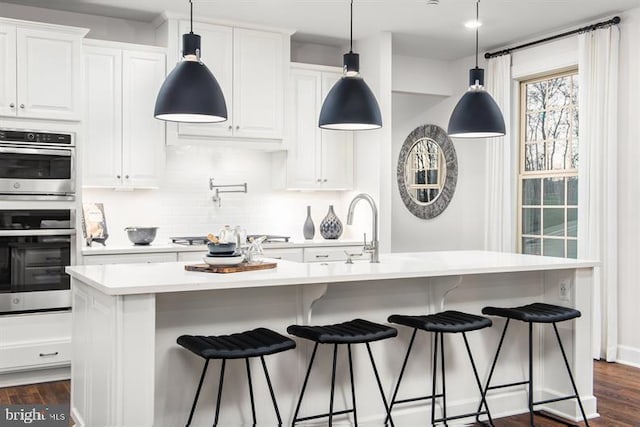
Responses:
[548,175]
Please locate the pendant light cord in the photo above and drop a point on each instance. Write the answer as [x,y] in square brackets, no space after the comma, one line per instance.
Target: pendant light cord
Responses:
[191,17]
[351,34]
[477,28]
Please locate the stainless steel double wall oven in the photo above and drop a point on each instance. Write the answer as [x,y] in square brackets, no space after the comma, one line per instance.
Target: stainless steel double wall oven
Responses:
[37,220]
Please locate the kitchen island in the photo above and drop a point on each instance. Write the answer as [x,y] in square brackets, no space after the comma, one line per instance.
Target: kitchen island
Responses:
[127,369]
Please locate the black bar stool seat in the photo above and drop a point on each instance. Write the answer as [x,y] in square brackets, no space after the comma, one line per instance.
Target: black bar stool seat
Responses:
[244,345]
[446,322]
[258,342]
[535,313]
[356,331]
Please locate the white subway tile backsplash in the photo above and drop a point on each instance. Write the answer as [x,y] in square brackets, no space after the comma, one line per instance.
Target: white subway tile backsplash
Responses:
[183,205]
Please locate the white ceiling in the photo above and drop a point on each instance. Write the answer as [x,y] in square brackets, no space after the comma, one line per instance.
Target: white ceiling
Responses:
[434,31]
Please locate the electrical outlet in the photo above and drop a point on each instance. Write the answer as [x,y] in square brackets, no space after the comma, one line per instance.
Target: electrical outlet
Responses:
[564,290]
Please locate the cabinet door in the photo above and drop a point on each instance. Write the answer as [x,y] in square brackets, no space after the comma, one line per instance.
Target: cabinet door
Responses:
[303,161]
[8,104]
[48,74]
[337,149]
[143,136]
[258,84]
[102,145]
[217,55]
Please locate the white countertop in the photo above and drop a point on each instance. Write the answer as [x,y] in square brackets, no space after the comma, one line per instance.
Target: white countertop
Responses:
[130,279]
[172,247]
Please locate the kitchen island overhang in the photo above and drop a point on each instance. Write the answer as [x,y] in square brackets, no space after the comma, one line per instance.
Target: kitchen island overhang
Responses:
[128,370]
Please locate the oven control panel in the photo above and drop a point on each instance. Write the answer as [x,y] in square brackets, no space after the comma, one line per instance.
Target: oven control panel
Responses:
[35,137]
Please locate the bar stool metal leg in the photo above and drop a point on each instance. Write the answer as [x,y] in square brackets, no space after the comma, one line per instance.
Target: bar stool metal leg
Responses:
[483,402]
[215,420]
[531,374]
[333,383]
[304,384]
[375,371]
[573,383]
[434,377]
[444,390]
[353,388]
[493,367]
[253,405]
[273,396]
[195,401]
[404,366]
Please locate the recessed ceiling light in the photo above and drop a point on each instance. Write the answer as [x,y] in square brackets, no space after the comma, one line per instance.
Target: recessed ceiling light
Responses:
[473,24]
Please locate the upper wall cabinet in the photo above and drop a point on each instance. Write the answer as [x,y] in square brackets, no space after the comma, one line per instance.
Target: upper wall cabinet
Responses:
[40,67]
[124,145]
[317,158]
[251,67]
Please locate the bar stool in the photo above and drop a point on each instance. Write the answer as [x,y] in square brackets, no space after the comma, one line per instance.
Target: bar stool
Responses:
[356,331]
[535,313]
[446,322]
[256,343]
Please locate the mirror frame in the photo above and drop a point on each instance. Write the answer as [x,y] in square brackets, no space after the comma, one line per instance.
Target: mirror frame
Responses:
[435,208]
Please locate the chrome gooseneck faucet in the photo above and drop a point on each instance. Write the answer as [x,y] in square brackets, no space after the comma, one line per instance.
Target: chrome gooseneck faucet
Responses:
[372,248]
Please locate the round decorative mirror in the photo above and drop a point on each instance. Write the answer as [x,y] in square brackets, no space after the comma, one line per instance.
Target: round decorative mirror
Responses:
[427,171]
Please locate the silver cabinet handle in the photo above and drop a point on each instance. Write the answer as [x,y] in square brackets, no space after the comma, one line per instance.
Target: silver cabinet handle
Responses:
[118,176]
[238,127]
[55,353]
[324,180]
[274,257]
[230,127]
[126,176]
[322,256]
[22,106]
[318,180]
[12,105]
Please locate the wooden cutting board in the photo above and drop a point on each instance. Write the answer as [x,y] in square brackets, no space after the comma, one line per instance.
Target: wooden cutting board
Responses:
[245,266]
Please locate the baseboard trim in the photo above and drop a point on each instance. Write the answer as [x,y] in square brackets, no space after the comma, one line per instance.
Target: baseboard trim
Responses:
[12,379]
[628,356]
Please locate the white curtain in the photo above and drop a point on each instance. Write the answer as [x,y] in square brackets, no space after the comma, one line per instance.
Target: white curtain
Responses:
[500,207]
[597,179]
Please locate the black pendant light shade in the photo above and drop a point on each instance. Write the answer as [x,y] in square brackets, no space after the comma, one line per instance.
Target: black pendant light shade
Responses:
[350,104]
[477,114]
[191,93]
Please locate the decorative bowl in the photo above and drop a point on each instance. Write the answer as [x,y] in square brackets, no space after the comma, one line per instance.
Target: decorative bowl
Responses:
[221,248]
[231,260]
[141,235]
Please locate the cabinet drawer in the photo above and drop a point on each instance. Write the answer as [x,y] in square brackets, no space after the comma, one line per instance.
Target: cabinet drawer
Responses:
[34,355]
[130,258]
[286,254]
[329,254]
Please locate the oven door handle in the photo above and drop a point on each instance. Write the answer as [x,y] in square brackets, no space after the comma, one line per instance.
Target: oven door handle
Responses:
[41,232]
[41,151]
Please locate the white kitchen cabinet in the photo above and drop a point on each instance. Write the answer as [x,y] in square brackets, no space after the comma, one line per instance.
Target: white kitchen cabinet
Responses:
[35,341]
[250,66]
[40,70]
[124,145]
[332,253]
[317,158]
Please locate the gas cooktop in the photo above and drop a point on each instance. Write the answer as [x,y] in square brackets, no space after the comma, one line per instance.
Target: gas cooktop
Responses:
[202,240]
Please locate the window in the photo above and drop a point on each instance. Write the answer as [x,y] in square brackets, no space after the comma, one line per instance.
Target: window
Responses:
[548,178]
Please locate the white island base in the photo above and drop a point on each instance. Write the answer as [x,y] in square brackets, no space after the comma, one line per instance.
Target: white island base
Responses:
[127,369]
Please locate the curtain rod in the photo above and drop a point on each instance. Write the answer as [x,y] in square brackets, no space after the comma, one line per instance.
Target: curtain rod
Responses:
[613,21]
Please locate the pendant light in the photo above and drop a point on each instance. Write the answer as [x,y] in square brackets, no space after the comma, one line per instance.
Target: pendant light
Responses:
[350,104]
[191,93]
[476,115]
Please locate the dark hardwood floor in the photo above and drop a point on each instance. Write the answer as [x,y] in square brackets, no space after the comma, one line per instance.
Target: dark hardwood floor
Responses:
[617,388]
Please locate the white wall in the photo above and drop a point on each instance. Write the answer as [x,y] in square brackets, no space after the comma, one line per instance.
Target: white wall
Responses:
[422,75]
[461,225]
[183,206]
[629,190]
[101,27]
